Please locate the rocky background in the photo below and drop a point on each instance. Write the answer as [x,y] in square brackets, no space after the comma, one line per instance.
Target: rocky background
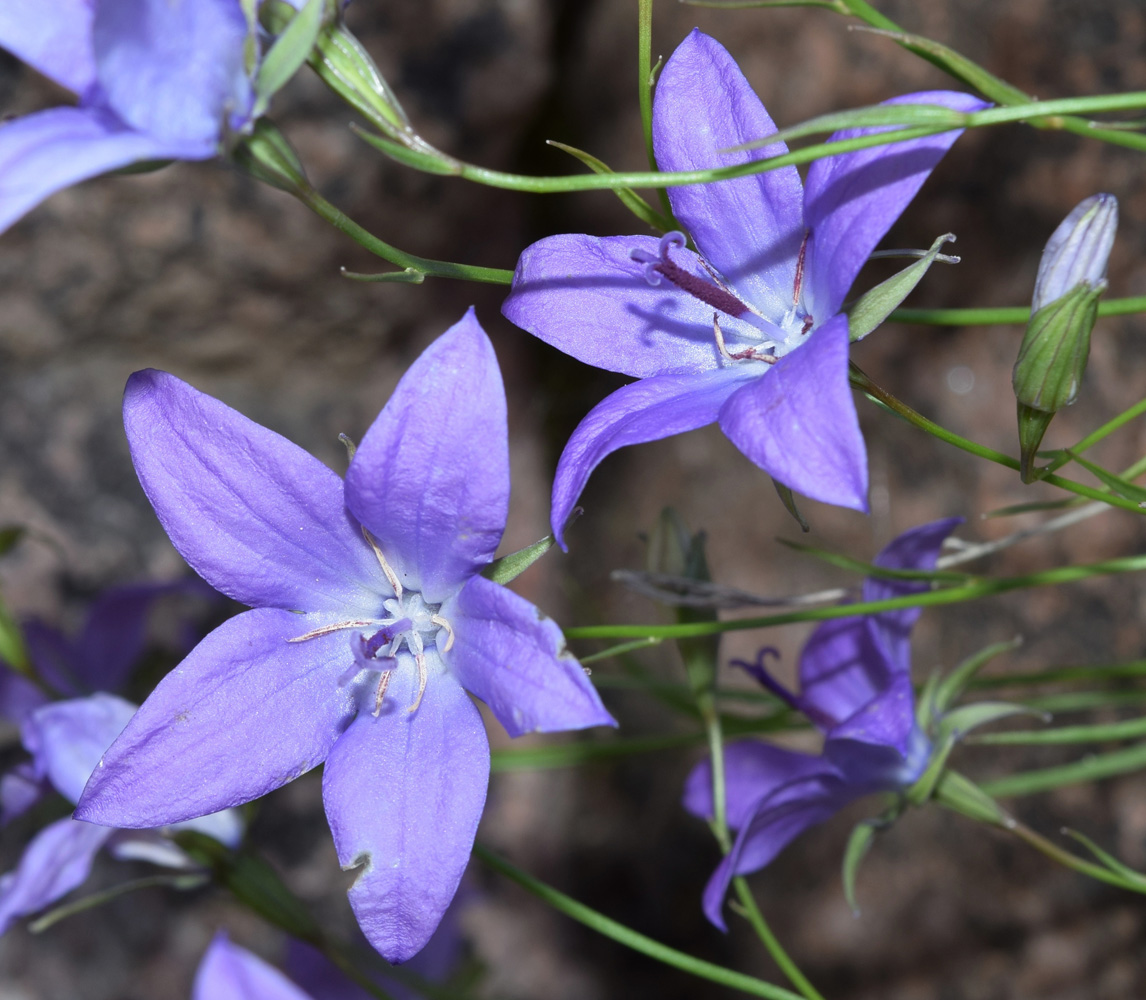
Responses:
[236,288]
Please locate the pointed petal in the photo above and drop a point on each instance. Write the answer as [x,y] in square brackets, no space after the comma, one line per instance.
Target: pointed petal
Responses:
[752,771]
[798,421]
[245,712]
[853,200]
[403,794]
[430,479]
[229,972]
[67,738]
[881,746]
[842,668]
[256,516]
[915,549]
[173,68]
[514,659]
[749,229]
[648,410]
[774,824]
[56,861]
[56,43]
[45,152]
[586,296]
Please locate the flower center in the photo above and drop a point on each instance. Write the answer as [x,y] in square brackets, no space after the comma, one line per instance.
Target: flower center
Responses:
[408,627]
[792,327]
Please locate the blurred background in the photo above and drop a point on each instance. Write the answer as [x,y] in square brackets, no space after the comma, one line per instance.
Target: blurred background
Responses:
[236,288]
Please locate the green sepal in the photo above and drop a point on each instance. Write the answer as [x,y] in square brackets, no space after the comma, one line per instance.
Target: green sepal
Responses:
[266,155]
[948,690]
[425,159]
[1033,425]
[788,499]
[859,843]
[875,305]
[629,198]
[253,882]
[511,566]
[1135,880]
[12,648]
[1053,355]
[961,795]
[288,53]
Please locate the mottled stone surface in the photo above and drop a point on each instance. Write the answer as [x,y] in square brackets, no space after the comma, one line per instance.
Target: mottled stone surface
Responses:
[235,288]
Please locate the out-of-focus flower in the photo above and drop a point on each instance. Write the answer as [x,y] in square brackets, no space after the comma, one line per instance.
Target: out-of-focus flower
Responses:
[719,335]
[855,687]
[229,972]
[371,620]
[66,739]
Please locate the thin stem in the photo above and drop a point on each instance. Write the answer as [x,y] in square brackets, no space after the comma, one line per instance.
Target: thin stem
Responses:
[926,599]
[1065,857]
[1001,315]
[864,383]
[435,268]
[775,949]
[1097,435]
[630,938]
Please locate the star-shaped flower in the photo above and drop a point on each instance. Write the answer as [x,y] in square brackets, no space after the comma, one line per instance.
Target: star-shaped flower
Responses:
[66,739]
[371,620]
[719,335]
[855,687]
[156,80]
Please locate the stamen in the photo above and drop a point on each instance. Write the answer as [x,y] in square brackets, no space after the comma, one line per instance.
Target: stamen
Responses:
[658,266]
[444,623]
[748,354]
[380,694]
[327,629]
[808,322]
[798,284]
[390,574]
[420,660]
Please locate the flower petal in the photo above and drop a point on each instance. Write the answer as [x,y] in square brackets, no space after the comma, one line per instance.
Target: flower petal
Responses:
[45,152]
[774,824]
[842,668]
[881,746]
[648,410]
[430,479]
[852,200]
[54,863]
[749,229]
[256,516]
[67,738]
[18,695]
[915,549]
[798,421]
[247,711]
[21,787]
[173,68]
[514,659]
[229,972]
[586,296]
[752,771]
[56,43]
[403,794]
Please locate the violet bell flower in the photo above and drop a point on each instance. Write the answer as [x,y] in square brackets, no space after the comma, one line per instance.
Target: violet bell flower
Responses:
[156,80]
[371,619]
[66,739]
[229,972]
[855,687]
[717,335]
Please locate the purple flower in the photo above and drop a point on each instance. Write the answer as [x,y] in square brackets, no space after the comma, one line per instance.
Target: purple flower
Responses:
[714,335]
[66,739]
[156,80]
[371,620]
[229,972]
[855,687]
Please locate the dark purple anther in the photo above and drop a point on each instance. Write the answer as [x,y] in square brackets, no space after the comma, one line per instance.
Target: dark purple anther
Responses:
[383,637]
[656,267]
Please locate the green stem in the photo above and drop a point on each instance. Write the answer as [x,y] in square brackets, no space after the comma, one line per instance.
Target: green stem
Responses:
[997,316]
[1095,436]
[645,89]
[862,382]
[1065,857]
[630,938]
[1079,772]
[775,949]
[435,268]
[1098,733]
[927,599]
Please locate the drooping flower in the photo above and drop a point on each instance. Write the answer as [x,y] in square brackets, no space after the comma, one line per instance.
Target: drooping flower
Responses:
[66,739]
[371,619]
[855,687]
[718,335]
[155,79]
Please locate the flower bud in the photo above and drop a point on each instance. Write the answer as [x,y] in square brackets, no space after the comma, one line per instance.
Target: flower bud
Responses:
[266,155]
[1056,345]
